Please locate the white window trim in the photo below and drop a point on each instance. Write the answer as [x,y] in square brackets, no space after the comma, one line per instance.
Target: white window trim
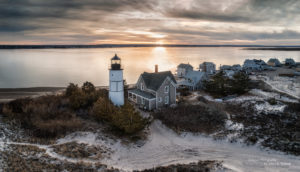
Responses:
[143,101]
[167,100]
[167,89]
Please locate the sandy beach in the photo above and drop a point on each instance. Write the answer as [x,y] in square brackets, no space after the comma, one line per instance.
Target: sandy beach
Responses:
[8,94]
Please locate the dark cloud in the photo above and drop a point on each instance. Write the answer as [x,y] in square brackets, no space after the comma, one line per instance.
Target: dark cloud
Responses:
[89,21]
[234,35]
[240,11]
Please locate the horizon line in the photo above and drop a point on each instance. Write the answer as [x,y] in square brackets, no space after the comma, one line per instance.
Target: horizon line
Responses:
[41,46]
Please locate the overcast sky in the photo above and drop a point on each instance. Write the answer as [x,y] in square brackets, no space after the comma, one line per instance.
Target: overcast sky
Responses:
[268,22]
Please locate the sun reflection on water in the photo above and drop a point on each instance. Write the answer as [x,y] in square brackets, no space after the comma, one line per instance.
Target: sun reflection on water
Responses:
[161,57]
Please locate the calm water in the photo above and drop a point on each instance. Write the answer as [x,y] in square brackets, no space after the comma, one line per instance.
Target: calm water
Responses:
[58,67]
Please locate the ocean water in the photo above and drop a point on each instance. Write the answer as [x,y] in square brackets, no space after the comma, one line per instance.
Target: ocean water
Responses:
[59,67]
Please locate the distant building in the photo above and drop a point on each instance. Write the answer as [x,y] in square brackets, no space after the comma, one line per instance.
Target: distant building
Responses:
[290,62]
[225,67]
[229,73]
[193,80]
[274,62]
[208,67]
[235,67]
[255,65]
[154,90]
[182,69]
[116,82]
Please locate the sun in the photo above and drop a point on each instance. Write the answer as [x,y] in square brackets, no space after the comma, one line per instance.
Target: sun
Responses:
[159,42]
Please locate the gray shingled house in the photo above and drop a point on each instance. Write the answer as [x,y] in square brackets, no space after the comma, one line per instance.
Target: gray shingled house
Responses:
[154,90]
[193,80]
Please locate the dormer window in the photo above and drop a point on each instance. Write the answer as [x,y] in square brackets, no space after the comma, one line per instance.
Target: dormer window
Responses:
[167,89]
[142,86]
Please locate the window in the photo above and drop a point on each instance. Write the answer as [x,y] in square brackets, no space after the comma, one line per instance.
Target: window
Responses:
[167,100]
[142,86]
[166,89]
[143,101]
[159,99]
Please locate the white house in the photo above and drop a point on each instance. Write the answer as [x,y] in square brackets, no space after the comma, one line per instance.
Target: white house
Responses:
[255,65]
[208,67]
[182,69]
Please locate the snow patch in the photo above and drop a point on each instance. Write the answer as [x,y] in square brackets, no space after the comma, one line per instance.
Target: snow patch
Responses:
[268,95]
[230,125]
[288,85]
[267,108]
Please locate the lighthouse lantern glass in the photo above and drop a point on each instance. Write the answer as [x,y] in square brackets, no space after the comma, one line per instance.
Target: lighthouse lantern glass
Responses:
[115,61]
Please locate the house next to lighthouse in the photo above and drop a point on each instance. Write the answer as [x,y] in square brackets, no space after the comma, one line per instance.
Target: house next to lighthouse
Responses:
[154,90]
[116,82]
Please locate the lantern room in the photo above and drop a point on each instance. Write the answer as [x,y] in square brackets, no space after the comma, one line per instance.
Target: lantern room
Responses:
[116,63]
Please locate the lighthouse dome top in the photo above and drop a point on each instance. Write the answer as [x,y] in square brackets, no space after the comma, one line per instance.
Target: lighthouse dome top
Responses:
[116,57]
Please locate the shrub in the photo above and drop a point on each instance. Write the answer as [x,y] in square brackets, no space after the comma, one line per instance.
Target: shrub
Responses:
[85,97]
[194,118]
[104,110]
[272,101]
[1,108]
[125,118]
[220,85]
[293,107]
[46,116]
[88,87]
[184,91]
[71,89]
[202,99]
[240,83]
[128,120]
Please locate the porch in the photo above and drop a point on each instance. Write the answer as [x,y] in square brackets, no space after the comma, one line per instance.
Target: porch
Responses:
[142,99]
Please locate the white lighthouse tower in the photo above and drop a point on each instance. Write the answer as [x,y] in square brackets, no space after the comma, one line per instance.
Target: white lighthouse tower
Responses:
[116,84]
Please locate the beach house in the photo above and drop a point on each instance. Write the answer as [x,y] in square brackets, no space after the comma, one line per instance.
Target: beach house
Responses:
[154,90]
[208,67]
[193,80]
[255,65]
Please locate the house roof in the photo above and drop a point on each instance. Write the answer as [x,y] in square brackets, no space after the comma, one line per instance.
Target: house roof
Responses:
[208,63]
[289,60]
[196,76]
[182,65]
[154,80]
[142,93]
[273,60]
[254,62]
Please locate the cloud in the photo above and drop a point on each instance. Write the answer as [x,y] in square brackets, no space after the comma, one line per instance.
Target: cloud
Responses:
[242,11]
[149,21]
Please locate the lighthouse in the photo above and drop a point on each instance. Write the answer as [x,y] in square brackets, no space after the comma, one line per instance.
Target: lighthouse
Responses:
[116,84]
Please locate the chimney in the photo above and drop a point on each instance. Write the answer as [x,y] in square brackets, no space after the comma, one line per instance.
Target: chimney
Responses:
[156,68]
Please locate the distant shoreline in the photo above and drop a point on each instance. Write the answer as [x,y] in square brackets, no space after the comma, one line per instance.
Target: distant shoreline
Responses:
[275,48]
[248,47]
